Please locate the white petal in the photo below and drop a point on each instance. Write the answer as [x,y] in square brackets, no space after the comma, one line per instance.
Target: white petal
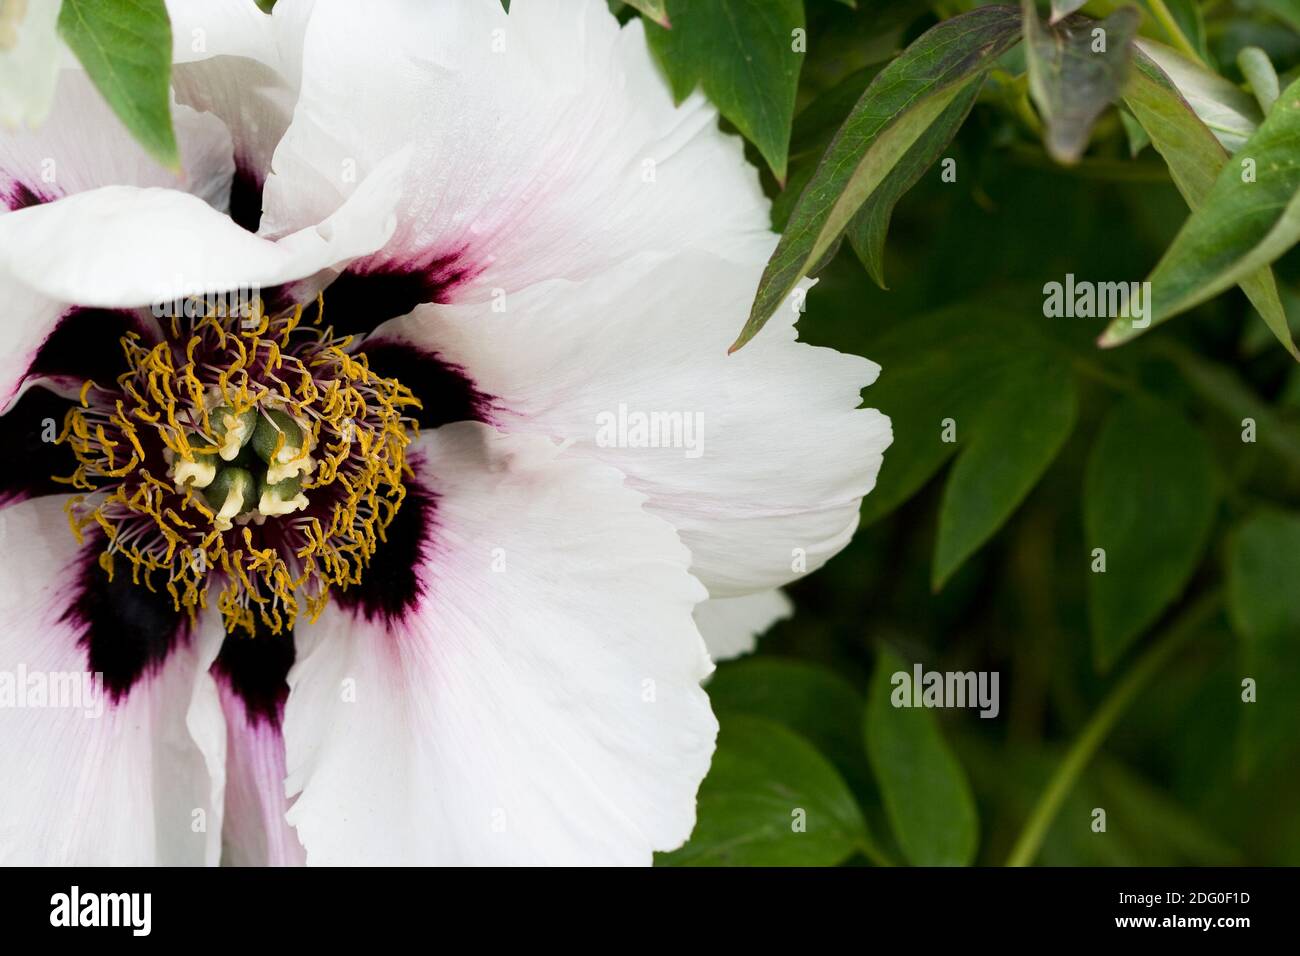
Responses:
[732,626]
[84,145]
[126,786]
[120,246]
[546,712]
[29,60]
[51,248]
[202,29]
[546,142]
[768,457]
[36,316]
[243,65]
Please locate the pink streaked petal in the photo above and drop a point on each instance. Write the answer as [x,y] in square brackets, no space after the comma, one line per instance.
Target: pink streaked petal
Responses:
[255,833]
[83,145]
[539,702]
[240,64]
[588,359]
[598,164]
[132,779]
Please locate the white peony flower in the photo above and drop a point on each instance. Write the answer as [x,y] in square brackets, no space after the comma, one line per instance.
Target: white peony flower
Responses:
[404,559]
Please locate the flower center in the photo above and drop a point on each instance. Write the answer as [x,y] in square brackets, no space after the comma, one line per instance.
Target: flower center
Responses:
[256,453]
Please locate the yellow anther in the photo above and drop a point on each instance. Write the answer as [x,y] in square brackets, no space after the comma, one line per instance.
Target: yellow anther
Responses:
[349,449]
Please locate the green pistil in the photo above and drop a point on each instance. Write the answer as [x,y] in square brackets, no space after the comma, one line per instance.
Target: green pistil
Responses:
[232,431]
[278,441]
[283,498]
[232,492]
[198,472]
[258,469]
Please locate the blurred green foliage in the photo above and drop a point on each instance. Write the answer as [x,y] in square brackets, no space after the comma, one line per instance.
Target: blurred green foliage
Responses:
[1177,452]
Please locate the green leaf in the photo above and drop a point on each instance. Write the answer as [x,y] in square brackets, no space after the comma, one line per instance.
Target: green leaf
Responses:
[1189,21]
[743,54]
[656,10]
[814,702]
[1286,10]
[1224,388]
[1250,216]
[1138,138]
[1190,149]
[1145,826]
[936,367]
[1149,502]
[765,783]
[1231,115]
[126,48]
[816,124]
[950,364]
[784,201]
[1258,70]
[1024,425]
[1063,8]
[1071,81]
[895,110]
[926,794]
[868,229]
[1163,833]
[1195,158]
[1264,608]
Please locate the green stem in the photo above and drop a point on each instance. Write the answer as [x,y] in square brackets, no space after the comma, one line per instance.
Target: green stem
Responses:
[1101,723]
[1104,375]
[1027,114]
[873,853]
[1225,392]
[1166,20]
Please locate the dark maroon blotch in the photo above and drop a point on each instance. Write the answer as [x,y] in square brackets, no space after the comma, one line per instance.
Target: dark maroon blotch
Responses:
[445,390]
[30,460]
[246,198]
[86,344]
[255,668]
[20,196]
[360,301]
[392,585]
[128,631]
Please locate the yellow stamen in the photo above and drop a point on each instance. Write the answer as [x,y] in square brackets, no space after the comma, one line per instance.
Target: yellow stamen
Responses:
[354,434]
